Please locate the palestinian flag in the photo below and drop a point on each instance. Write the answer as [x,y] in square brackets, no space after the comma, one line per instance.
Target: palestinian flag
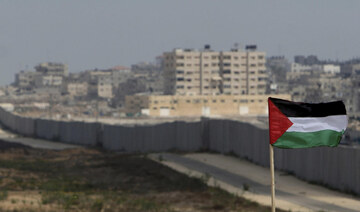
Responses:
[302,125]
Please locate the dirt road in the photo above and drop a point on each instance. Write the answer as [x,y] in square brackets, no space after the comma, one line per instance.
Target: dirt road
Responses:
[253,182]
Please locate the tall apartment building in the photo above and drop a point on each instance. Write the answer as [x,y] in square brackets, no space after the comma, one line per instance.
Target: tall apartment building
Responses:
[208,72]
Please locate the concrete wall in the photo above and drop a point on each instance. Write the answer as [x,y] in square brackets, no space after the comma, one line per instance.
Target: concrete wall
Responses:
[338,167]
[161,137]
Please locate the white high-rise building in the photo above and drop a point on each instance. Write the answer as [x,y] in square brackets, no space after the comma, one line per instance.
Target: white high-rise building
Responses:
[208,72]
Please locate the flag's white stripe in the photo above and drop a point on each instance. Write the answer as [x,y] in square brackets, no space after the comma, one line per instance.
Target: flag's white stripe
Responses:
[313,124]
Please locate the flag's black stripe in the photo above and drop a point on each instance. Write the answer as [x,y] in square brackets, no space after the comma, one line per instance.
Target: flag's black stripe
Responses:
[299,109]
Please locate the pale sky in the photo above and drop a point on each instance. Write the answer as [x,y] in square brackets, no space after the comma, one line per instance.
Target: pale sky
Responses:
[89,34]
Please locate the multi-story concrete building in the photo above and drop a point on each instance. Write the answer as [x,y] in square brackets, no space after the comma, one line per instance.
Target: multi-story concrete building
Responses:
[57,69]
[100,83]
[77,88]
[300,68]
[48,81]
[350,69]
[331,69]
[105,87]
[26,79]
[208,72]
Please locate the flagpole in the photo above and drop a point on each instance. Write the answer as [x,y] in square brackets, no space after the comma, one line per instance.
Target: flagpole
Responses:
[272,178]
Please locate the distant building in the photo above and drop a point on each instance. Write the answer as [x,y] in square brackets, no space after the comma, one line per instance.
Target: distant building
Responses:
[208,72]
[209,105]
[57,69]
[77,88]
[300,68]
[25,79]
[105,87]
[350,69]
[99,83]
[48,81]
[331,69]
[309,60]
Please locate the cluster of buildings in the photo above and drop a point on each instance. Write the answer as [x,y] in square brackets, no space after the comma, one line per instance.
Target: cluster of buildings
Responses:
[311,80]
[46,74]
[90,84]
[196,82]
[208,82]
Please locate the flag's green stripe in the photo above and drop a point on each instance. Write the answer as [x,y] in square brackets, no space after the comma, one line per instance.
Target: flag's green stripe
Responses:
[309,139]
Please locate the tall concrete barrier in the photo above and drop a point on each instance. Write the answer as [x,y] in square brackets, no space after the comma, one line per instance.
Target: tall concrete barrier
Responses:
[47,129]
[79,133]
[25,126]
[153,138]
[337,168]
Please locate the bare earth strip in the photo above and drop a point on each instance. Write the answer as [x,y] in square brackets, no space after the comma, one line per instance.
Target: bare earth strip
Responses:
[253,182]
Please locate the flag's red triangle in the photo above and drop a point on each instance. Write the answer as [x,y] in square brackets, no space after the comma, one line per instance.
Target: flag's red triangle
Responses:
[278,122]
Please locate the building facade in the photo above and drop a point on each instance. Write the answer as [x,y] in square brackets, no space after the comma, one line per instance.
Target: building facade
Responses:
[208,72]
[77,88]
[57,69]
[26,79]
[204,105]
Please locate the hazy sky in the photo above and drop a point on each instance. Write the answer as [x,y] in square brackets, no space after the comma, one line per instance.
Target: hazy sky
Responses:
[101,34]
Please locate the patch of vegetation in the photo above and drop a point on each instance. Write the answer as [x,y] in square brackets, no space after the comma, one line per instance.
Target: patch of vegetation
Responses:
[67,200]
[3,195]
[91,180]
[31,166]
